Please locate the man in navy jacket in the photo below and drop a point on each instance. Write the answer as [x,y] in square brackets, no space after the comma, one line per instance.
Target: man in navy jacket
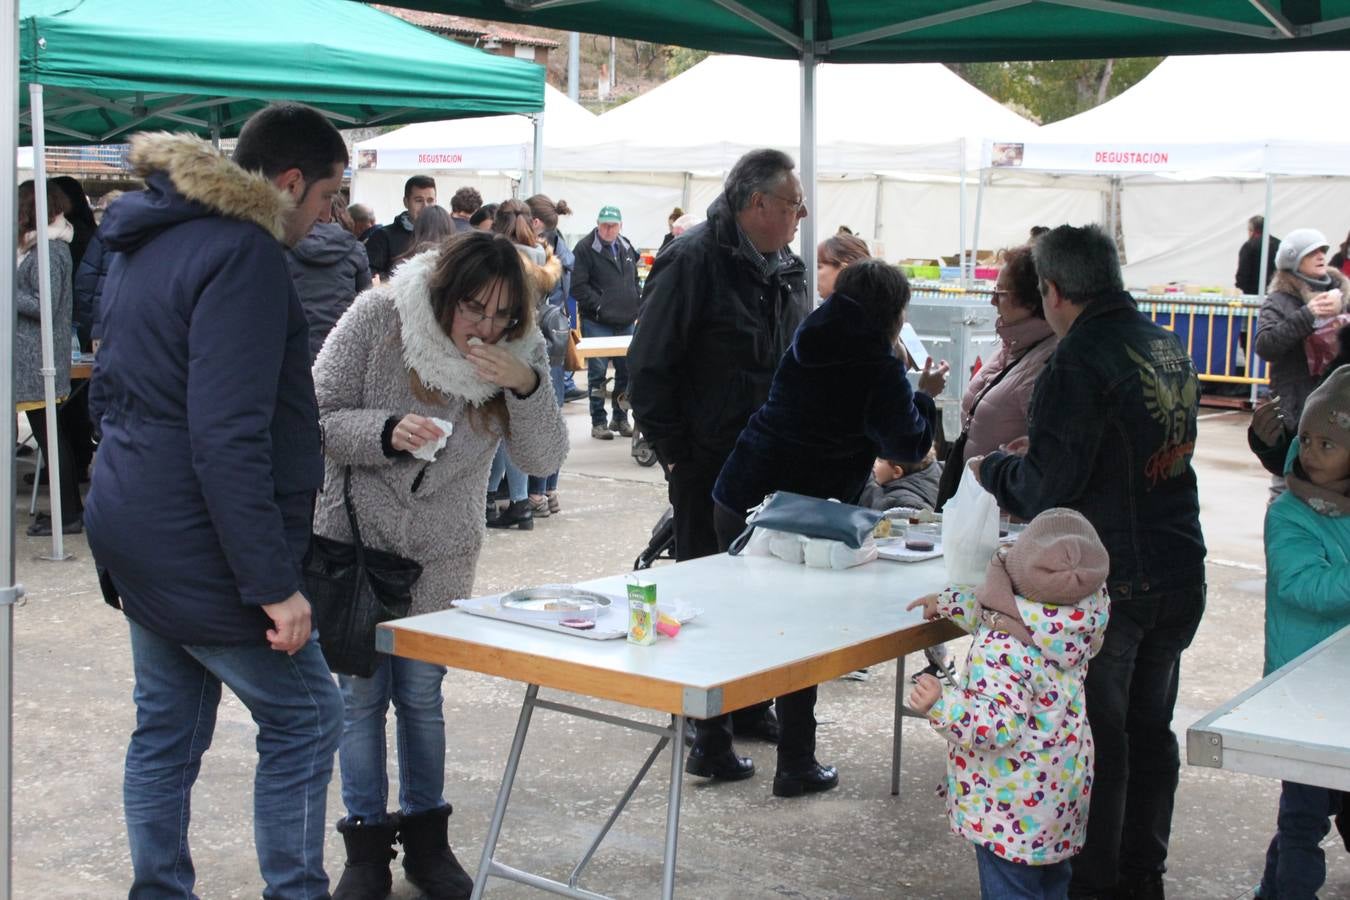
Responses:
[200,509]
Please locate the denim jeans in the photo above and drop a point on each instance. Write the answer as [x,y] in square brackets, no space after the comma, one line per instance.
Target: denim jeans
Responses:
[1131,692]
[544,485]
[1004,880]
[596,367]
[299,715]
[415,689]
[1296,866]
[517,481]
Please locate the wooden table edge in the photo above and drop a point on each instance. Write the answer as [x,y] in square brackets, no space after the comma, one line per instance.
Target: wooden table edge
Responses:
[660,694]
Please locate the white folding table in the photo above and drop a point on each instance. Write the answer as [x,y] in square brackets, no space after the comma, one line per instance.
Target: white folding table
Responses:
[1294,724]
[767,628]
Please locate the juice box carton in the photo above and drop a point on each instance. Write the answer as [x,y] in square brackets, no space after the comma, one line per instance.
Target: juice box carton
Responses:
[641,613]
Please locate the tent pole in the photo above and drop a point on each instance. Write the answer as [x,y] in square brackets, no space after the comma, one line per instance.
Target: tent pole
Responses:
[688,192]
[538,183]
[573,65]
[962,259]
[877,224]
[979,213]
[52,460]
[1261,277]
[10,591]
[810,69]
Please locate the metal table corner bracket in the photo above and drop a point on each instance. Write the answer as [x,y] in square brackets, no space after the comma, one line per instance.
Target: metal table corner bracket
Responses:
[12,595]
[702,704]
[1204,748]
[384,640]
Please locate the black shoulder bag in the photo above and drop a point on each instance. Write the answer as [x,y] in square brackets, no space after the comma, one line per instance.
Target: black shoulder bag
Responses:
[351,589]
[951,469]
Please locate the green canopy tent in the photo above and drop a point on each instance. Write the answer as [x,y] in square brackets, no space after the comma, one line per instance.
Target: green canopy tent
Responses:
[111,67]
[97,70]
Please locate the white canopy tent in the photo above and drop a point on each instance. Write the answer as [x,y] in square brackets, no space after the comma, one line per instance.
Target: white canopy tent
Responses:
[489,153]
[876,164]
[1198,146]
[674,144]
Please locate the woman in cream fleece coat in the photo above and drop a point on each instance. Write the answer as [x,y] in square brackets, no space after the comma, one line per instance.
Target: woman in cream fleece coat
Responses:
[450,337]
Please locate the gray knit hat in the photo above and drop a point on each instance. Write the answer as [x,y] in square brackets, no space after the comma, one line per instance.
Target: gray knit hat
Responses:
[1298,244]
[1327,409]
[1058,558]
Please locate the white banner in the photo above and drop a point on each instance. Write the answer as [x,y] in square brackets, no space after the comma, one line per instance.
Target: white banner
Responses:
[1117,157]
[506,157]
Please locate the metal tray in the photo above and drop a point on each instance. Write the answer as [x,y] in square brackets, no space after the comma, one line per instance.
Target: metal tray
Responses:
[534,602]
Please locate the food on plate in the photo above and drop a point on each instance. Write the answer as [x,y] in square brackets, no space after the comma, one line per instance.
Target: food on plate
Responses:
[918,544]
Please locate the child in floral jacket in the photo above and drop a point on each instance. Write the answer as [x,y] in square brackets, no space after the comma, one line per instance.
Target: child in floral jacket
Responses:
[1019,770]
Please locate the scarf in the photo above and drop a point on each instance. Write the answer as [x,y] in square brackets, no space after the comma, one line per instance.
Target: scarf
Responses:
[998,601]
[1330,500]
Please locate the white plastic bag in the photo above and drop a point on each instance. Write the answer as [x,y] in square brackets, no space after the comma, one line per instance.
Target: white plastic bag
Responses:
[969,531]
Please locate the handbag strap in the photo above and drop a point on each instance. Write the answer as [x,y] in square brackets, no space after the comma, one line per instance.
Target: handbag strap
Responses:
[351,516]
[997,378]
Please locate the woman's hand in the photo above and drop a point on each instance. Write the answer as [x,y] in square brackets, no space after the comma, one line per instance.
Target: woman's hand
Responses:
[501,367]
[412,431]
[933,381]
[1327,303]
[927,691]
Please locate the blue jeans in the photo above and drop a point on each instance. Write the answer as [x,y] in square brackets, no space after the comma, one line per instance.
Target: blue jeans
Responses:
[517,481]
[1131,692]
[544,485]
[415,689]
[1004,880]
[596,367]
[299,714]
[1296,865]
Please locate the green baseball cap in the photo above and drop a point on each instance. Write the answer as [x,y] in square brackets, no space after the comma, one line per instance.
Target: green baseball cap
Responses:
[609,214]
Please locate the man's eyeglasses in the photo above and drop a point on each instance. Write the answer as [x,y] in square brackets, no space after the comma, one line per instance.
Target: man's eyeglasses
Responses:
[795,205]
[474,312]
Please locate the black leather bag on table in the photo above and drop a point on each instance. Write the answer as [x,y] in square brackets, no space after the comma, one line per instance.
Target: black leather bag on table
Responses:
[811,517]
[351,589]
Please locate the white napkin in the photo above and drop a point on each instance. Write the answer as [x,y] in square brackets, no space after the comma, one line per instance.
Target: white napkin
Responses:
[429,450]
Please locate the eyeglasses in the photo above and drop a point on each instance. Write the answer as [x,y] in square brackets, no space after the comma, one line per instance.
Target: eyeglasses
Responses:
[999,295]
[475,313]
[795,205]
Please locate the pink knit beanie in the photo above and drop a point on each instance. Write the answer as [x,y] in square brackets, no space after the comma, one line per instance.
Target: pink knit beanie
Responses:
[1058,558]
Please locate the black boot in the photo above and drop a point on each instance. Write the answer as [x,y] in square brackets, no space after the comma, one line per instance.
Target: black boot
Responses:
[517,515]
[370,848]
[428,861]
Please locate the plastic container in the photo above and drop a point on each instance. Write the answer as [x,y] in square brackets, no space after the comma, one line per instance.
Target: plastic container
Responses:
[74,346]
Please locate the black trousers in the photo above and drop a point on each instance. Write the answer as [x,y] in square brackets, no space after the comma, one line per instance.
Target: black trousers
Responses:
[707,528]
[71,506]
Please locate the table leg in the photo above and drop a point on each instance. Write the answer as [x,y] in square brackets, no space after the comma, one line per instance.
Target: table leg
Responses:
[504,793]
[619,808]
[899,723]
[673,809]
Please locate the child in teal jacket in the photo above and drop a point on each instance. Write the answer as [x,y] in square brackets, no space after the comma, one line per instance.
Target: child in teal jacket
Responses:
[1307,601]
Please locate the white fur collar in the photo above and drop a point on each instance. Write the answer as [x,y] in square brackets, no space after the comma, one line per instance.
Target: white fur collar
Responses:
[429,351]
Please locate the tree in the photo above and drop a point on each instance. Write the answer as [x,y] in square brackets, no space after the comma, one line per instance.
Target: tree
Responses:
[680,58]
[1050,90]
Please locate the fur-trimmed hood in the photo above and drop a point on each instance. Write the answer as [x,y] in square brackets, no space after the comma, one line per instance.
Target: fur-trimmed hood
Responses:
[428,350]
[1285,282]
[186,178]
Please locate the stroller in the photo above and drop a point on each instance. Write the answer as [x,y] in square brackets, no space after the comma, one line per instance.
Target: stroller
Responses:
[662,543]
[642,449]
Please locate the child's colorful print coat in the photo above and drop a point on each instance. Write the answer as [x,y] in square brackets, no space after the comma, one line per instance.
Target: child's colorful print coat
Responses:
[1019,771]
